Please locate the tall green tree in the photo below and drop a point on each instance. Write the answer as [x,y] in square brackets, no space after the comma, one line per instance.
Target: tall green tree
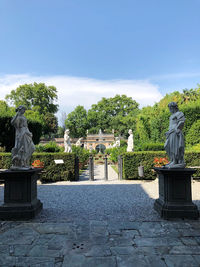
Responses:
[76,122]
[110,113]
[35,96]
[51,124]
[39,100]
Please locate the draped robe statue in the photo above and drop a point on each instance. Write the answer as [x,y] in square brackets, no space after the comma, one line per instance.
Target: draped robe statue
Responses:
[67,143]
[24,147]
[130,141]
[174,144]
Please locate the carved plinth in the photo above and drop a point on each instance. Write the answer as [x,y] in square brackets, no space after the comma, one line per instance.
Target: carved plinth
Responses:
[20,195]
[175,195]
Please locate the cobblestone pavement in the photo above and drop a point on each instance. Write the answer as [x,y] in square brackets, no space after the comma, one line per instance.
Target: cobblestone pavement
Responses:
[110,242]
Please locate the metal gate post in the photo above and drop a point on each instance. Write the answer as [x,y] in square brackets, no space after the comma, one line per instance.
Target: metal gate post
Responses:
[106,168]
[91,168]
[120,167]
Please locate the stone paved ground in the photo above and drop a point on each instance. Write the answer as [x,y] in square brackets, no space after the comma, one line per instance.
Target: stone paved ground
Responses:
[117,241]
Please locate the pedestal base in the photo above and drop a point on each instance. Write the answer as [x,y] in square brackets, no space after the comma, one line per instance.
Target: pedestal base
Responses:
[20,211]
[20,195]
[175,198]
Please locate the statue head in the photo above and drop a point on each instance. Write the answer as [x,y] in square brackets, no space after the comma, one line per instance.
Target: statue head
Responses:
[130,131]
[173,107]
[67,131]
[21,109]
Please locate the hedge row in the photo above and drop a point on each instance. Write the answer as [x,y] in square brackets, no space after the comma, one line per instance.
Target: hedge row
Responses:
[132,160]
[52,172]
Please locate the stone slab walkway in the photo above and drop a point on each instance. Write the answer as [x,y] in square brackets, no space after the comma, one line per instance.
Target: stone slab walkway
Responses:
[100,243]
[100,223]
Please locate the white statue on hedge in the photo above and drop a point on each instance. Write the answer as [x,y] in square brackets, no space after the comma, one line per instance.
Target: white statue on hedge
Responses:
[174,144]
[24,147]
[67,143]
[130,146]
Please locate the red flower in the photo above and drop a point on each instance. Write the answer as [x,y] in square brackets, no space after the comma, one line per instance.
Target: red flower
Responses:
[38,164]
[159,162]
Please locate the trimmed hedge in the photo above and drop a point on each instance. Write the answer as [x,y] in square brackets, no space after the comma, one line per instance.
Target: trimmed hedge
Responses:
[152,147]
[52,172]
[132,160]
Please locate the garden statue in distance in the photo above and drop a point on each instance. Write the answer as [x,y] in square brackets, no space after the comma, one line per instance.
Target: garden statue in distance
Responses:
[78,143]
[117,142]
[130,141]
[24,147]
[67,143]
[174,144]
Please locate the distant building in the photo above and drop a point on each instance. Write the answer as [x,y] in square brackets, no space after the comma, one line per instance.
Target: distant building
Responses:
[97,142]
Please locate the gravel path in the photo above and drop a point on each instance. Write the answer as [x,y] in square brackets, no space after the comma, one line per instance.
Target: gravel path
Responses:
[111,200]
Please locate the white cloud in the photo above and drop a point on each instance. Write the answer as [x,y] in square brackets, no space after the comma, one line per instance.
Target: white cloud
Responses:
[73,91]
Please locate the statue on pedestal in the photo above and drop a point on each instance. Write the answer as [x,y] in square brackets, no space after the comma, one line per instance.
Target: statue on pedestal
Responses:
[24,147]
[130,141]
[174,144]
[67,143]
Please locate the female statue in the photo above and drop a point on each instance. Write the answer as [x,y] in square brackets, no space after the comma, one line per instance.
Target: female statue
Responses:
[24,147]
[130,141]
[67,142]
[174,144]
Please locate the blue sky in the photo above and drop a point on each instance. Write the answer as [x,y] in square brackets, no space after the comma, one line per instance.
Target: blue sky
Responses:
[94,48]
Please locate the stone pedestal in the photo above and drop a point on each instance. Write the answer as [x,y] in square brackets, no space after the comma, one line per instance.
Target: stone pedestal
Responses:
[20,195]
[175,196]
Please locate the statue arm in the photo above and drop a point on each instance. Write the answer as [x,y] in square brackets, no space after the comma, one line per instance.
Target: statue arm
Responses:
[13,121]
[180,122]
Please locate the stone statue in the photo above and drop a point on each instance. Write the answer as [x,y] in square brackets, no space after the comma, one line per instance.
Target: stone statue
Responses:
[174,144]
[78,143]
[130,141]
[85,145]
[90,148]
[117,142]
[24,147]
[67,143]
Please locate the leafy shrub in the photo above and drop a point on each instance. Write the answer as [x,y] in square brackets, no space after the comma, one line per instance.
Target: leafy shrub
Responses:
[82,153]
[50,147]
[115,152]
[123,143]
[195,148]
[193,136]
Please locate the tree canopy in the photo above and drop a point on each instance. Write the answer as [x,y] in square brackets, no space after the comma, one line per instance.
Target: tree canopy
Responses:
[113,113]
[37,97]
[76,122]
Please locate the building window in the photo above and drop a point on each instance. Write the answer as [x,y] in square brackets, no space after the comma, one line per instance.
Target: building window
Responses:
[97,139]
